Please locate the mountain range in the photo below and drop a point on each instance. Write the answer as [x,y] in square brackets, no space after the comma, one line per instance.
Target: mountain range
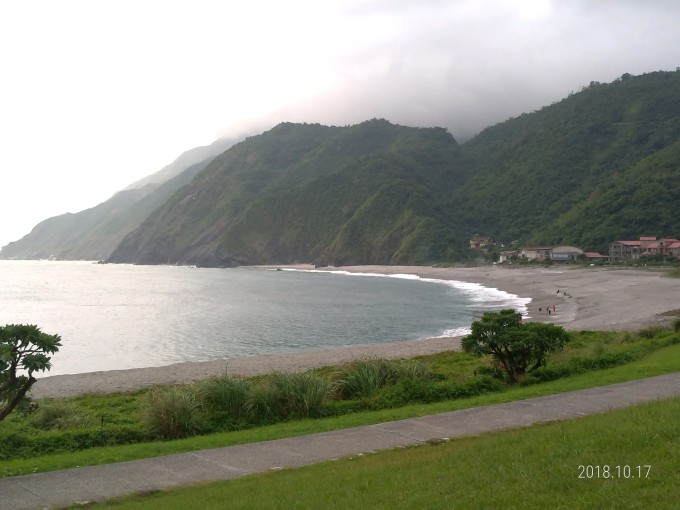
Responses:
[600,165]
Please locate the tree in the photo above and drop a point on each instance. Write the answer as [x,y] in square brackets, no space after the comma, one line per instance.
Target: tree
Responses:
[24,350]
[519,347]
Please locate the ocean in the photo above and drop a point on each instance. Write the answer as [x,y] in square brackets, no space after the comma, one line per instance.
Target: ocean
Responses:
[113,317]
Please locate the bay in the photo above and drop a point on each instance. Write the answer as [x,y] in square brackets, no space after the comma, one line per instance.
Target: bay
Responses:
[113,317]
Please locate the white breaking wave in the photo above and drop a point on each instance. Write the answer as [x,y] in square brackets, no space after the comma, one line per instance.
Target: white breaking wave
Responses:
[481,297]
[455,332]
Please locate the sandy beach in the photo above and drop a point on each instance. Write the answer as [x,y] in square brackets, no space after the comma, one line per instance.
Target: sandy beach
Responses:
[584,298]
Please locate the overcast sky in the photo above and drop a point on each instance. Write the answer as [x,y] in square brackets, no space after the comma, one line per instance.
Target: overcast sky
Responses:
[97,94]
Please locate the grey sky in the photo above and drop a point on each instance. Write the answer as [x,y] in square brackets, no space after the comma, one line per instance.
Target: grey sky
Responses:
[96,95]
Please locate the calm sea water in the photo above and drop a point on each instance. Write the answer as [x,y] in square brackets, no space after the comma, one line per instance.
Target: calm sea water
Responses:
[121,316]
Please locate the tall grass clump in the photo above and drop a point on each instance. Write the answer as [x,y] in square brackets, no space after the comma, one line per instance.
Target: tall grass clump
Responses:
[263,403]
[414,369]
[59,415]
[301,394]
[172,413]
[364,378]
[284,395]
[225,397]
[651,332]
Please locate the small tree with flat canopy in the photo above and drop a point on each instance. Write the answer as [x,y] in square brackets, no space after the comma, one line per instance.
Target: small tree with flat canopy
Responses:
[519,348]
[24,350]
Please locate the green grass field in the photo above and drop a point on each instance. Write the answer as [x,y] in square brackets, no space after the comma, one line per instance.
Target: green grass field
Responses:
[623,459]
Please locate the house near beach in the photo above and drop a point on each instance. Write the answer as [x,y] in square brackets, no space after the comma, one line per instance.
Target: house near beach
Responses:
[566,254]
[620,251]
[478,242]
[673,249]
[552,253]
[535,252]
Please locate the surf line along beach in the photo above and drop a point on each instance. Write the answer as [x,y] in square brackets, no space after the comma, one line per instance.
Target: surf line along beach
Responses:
[601,298]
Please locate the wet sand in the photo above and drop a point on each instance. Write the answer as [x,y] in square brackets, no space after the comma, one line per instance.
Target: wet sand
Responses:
[601,298]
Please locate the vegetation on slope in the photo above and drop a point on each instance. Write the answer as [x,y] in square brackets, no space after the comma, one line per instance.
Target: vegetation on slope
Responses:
[372,192]
[551,176]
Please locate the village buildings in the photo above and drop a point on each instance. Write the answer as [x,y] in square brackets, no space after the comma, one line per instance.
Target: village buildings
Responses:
[480,242]
[619,251]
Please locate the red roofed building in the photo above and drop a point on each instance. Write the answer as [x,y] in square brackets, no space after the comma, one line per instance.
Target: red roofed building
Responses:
[673,248]
[620,251]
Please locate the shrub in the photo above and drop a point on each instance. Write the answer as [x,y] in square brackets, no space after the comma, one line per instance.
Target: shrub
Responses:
[477,386]
[284,395]
[17,445]
[225,397]
[651,332]
[59,415]
[363,378]
[415,370]
[172,413]
[493,369]
[606,360]
[412,391]
[263,402]
[627,338]
[552,372]
[404,392]
[676,325]
[301,394]
[599,348]
[529,380]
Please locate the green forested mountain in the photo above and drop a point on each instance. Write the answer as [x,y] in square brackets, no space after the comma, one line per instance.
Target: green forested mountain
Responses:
[374,192]
[600,165]
[595,167]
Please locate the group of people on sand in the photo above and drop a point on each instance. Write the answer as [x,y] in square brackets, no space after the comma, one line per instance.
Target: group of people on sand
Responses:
[553,309]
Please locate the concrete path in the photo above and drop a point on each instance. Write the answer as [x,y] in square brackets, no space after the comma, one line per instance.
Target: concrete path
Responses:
[98,483]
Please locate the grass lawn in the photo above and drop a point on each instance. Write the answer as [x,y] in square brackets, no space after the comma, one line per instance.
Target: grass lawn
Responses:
[623,459]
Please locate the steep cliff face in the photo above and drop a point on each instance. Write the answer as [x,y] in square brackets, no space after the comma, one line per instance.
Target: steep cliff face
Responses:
[372,192]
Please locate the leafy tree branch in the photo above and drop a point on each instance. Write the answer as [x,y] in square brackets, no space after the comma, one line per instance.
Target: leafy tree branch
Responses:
[24,350]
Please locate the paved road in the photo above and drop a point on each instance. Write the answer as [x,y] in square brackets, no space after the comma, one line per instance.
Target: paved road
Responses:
[98,483]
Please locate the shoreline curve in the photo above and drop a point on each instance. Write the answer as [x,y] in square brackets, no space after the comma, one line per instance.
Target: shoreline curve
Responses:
[584,298]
